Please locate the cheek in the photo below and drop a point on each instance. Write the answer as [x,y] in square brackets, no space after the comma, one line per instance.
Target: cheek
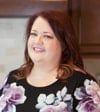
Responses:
[29,42]
[54,52]
[29,45]
[54,48]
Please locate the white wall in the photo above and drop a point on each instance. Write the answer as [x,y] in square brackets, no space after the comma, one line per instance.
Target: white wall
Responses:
[12,33]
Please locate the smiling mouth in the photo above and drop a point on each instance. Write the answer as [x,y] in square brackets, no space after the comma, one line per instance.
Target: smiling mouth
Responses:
[37,49]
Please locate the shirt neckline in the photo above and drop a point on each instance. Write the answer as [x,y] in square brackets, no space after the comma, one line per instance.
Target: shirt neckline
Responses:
[41,87]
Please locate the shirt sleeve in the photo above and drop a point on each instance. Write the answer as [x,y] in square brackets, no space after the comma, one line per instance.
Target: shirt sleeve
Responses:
[7,80]
[80,78]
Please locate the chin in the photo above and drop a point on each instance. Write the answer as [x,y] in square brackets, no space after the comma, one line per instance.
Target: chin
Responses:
[37,60]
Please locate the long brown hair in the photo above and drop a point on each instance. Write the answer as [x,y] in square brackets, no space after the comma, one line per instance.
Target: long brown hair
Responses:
[61,25]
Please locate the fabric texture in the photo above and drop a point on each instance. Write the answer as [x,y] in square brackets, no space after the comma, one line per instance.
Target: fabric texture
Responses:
[59,92]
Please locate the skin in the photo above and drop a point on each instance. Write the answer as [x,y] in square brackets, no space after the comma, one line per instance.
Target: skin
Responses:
[45,51]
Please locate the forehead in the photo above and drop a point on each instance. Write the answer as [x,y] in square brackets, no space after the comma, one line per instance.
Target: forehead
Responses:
[41,24]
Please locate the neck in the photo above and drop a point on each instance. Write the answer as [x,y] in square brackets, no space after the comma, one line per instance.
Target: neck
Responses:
[42,75]
[43,71]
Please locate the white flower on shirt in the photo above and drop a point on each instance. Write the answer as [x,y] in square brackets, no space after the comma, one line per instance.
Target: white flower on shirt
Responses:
[51,103]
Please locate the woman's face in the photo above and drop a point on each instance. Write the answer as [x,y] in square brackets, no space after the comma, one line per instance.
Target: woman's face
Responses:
[43,46]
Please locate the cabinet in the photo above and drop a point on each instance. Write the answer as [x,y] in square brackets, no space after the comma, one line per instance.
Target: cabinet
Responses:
[25,8]
[86,19]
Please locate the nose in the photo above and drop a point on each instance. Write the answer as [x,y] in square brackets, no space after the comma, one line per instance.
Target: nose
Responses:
[39,39]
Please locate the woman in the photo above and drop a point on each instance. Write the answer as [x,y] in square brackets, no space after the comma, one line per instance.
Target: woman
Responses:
[52,71]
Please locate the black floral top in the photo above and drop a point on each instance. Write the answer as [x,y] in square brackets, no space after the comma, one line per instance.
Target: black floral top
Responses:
[57,97]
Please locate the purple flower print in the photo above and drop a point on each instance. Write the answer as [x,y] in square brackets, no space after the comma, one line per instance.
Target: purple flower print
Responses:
[89,97]
[11,96]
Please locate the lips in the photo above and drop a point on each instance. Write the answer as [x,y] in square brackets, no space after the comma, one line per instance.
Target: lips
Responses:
[38,49]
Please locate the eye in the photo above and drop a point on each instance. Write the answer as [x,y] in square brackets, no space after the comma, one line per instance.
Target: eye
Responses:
[33,34]
[48,36]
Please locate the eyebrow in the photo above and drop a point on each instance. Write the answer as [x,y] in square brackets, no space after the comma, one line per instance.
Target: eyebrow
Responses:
[47,32]
[43,32]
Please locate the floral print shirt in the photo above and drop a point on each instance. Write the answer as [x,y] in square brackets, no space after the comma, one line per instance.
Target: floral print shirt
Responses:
[79,93]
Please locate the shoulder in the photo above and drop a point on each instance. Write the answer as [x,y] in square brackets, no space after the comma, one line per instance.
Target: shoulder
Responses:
[79,77]
[83,75]
[77,80]
[8,78]
[11,77]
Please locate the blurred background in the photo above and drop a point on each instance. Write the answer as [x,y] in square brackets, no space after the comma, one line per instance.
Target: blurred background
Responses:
[14,15]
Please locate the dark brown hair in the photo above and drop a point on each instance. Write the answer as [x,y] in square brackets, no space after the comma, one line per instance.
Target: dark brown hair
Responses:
[61,25]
